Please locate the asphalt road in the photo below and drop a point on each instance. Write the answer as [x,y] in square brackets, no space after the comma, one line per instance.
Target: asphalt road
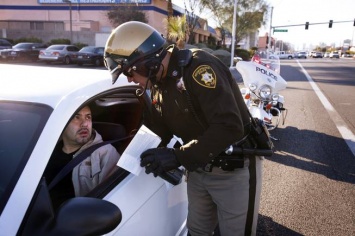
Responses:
[309,183]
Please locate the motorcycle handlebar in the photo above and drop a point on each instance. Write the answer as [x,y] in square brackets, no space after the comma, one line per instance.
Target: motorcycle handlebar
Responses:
[252,152]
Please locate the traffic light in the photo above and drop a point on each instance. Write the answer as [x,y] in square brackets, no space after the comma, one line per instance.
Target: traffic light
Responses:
[354,23]
[330,23]
[306,26]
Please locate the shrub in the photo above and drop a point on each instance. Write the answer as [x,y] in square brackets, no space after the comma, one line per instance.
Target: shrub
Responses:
[80,45]
[10,40]
[223,55]
[28,40]
[59,41]
[200,45]
[244,54]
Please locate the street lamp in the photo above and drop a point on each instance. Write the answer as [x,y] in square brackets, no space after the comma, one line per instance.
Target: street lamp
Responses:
[71,22]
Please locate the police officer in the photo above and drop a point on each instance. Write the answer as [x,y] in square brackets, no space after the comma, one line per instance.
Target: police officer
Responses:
[195,98]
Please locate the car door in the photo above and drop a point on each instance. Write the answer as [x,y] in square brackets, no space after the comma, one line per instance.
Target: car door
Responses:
[158,207]
[132,203]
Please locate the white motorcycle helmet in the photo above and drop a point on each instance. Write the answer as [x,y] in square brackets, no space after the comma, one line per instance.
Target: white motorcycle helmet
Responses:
[134,46]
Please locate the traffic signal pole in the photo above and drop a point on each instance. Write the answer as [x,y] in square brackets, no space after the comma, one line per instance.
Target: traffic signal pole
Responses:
[329,23]
[269,36]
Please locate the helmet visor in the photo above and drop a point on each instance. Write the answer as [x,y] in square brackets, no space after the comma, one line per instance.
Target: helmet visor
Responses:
[115,66]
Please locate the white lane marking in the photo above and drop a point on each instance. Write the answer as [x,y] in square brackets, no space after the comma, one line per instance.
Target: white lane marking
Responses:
[344,130]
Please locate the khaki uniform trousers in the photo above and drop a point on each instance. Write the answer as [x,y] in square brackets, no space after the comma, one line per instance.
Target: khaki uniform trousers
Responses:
[228,198]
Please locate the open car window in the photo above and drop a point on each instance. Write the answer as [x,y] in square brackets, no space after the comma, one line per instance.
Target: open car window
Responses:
[117,114]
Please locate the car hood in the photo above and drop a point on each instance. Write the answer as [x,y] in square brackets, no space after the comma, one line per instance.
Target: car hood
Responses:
[34,83]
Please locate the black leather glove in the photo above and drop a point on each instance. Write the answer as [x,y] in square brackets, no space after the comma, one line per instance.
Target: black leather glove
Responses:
[159,160]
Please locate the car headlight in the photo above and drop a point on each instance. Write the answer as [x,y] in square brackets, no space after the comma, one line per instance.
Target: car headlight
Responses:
[265,91]
[252,87]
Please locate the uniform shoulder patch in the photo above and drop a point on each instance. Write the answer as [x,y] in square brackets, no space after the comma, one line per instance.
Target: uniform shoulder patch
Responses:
[205,76]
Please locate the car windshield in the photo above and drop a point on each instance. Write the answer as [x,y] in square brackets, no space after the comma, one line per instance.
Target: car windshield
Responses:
[56,47]
[88,49]
[23,46]
[20,126]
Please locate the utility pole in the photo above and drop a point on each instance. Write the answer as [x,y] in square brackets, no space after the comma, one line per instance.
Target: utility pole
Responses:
[233,32]
[70,19]
[269,42]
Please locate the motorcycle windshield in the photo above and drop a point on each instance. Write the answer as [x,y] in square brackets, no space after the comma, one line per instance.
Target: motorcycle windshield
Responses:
[262,71]
[269,60]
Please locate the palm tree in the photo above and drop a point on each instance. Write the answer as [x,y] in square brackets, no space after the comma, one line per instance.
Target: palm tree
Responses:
[170,14]
[176,28]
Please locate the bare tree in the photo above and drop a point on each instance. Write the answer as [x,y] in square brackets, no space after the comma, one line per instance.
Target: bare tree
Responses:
[122,13]
[216,9]
[192,18]
[250,15]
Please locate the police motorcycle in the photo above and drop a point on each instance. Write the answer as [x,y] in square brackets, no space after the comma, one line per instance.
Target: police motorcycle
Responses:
[263,83]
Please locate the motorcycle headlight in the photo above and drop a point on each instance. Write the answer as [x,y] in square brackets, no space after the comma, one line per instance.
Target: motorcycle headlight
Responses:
[252,87]
[265,92]
[275,97]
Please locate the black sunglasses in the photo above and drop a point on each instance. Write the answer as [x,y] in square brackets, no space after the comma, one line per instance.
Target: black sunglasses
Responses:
[139,68]
[128,72]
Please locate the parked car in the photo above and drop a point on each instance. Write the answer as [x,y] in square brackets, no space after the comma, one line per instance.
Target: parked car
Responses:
[63,53]
[317,55]
[5,44]
[326,54]
[23,51]
[36,104]
[91,55]
[334,54]
[302,55]
[346,55]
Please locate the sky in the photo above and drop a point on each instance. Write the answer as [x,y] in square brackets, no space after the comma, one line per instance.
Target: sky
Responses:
[298,12]
[294,12]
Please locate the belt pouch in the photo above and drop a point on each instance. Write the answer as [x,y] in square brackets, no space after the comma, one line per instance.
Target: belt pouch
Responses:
[229,164]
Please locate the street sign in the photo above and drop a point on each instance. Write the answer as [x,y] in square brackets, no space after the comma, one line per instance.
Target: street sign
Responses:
[280,30]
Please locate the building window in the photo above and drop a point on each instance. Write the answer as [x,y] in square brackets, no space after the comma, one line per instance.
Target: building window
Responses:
[36,25]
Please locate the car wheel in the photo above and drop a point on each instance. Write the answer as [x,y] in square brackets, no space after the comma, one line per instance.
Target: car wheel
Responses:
[97,62]
[67,60]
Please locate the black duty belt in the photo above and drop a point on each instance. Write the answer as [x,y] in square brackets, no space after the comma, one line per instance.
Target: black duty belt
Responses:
[226,163]
[236,157]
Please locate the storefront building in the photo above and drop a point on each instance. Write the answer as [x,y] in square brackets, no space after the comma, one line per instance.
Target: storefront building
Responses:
[84,21]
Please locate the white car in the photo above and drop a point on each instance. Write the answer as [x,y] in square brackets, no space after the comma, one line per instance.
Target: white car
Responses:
[35,105]
[334,54]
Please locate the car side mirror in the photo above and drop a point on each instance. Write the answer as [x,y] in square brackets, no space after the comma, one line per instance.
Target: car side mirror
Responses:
[86,216]
[76,216]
